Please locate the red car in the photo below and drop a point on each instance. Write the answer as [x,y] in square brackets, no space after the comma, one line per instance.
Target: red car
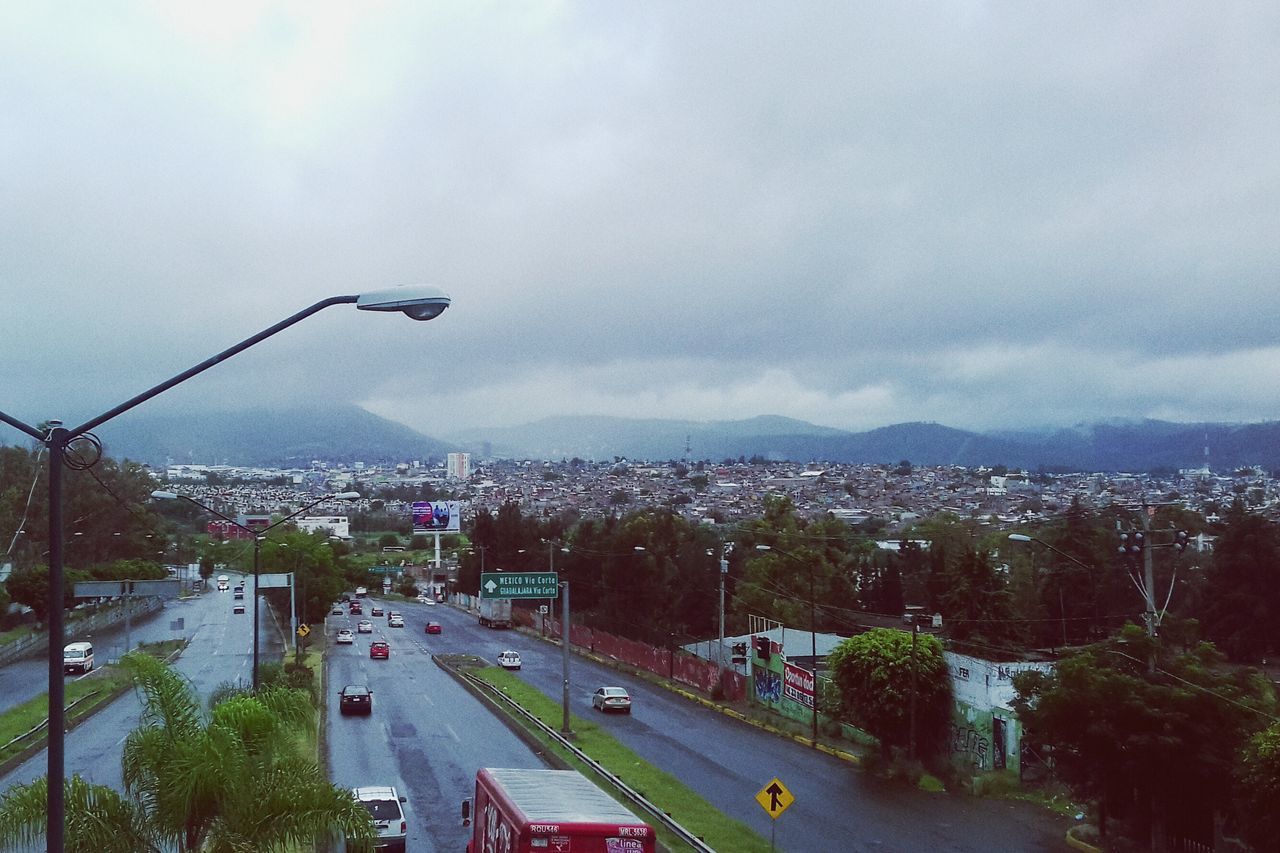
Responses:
[433,628]
[356,609]
[379,650]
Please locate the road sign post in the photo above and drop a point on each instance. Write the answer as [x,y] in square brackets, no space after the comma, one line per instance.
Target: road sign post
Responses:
[519,584]
[775,799]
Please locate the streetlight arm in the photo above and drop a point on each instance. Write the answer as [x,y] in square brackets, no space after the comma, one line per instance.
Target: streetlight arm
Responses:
[17,424]
[210,362]
[1022,537]
[174,496]
[345,496]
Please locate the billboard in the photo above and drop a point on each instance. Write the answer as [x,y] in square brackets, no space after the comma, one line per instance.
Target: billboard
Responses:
[797,684]
[436,516]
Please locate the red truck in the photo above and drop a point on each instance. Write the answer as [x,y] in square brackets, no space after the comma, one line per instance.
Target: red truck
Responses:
[550,811]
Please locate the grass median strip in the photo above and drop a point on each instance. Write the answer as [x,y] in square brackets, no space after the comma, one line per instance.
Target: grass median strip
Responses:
[660,788]
[83,697]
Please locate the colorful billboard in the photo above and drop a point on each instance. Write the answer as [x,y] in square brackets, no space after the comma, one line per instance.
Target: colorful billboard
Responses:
[436,516]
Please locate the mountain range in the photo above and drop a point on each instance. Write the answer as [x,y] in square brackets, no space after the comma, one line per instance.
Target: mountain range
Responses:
[294,437]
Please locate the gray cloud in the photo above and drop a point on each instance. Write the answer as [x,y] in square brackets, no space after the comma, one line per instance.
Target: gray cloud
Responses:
[981,214]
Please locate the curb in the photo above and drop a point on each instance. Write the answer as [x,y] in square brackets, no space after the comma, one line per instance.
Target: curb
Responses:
[1077,844]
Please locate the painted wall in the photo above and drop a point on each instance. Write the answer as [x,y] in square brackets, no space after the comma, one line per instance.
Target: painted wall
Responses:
[985,732]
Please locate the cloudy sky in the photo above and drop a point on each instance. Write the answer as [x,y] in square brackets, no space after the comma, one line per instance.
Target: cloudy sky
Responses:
[983,214]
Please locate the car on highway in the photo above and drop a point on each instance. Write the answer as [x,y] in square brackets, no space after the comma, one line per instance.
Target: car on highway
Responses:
[510,659]
[355,699]
[364,626]
[395,620]
[376,611]
[380,649]
[345,637]
[336,611]
[383,805]
[433,628]
[238,609]
[422,598]
[611,699]
[356,609]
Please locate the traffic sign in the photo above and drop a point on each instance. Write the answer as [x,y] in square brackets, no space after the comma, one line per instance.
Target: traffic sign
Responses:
[304,630]
[519,584]
[774,798]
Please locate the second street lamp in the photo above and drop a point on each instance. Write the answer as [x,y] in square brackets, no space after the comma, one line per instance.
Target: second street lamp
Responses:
[258,534]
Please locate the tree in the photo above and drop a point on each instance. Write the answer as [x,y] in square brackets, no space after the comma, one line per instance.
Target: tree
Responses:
[1258,788]
[229,780]
[976,604]
[1241,611]
[1145,745]
[873,673]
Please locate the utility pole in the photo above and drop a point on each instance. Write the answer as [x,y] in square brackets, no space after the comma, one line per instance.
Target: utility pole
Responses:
[915,631]
[564,658]
[724,570]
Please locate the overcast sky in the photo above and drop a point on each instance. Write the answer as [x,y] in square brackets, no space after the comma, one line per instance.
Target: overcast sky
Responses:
[983,214]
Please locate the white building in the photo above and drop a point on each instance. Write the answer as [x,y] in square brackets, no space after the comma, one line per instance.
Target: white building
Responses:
[337,525]
[458,466]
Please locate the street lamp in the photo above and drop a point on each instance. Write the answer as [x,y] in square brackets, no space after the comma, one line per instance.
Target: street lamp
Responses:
[418,303]
[258,534]
[813,632]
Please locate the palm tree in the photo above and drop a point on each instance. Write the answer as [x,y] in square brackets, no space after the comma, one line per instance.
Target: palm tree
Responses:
[98,819]
[227,781]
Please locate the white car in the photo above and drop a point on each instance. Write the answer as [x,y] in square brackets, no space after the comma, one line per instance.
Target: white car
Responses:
[345,636]
[611,699]
[383,804]
[364,627]
[509,659]
[395,620]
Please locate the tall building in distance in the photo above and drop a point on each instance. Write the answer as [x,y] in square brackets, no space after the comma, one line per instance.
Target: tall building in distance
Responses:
[458,466]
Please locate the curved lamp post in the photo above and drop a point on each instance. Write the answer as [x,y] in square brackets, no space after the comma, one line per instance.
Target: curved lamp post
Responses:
[258,534]
[418,303]
[1062,613]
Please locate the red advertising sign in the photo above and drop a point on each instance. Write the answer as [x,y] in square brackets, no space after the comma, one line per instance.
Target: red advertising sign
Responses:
[797,684]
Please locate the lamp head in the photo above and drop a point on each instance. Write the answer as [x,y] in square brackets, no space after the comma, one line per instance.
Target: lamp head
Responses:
[415,302]
[347,496]
[1019,537]
[161,495]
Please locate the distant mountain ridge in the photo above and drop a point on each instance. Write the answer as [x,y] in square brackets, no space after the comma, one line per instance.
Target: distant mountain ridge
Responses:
[287,438]
[292,437]
[1111,446]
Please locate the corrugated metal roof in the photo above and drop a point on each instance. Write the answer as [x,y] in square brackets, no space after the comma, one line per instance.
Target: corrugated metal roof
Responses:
[560,796]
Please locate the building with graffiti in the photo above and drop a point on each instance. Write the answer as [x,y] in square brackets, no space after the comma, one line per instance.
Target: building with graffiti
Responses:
[985,732]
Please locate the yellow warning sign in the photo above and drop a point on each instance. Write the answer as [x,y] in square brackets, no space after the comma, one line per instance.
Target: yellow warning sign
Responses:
[304,630]
[775,798]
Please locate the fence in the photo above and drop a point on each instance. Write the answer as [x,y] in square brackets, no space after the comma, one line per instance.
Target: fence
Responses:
[670,663]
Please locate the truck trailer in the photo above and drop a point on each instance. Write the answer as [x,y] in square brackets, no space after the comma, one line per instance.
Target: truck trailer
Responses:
[495,612]
[537,811]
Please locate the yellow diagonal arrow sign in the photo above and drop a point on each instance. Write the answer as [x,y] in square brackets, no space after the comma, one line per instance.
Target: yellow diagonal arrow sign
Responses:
[775,798]
[304,630]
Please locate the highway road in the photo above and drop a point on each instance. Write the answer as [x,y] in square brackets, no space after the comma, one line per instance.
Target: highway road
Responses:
[27,678]
[427,736]
[837,807]
[220,650]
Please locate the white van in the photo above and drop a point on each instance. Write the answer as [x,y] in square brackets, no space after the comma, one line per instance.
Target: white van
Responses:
[224,583]
[77,657]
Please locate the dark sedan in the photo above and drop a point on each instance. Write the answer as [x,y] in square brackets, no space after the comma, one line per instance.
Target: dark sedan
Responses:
[355,699]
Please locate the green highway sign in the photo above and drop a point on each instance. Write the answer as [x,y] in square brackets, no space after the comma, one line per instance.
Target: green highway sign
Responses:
[519,584]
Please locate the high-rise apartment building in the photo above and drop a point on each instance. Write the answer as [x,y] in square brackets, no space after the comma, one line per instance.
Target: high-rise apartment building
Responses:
[458,466]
